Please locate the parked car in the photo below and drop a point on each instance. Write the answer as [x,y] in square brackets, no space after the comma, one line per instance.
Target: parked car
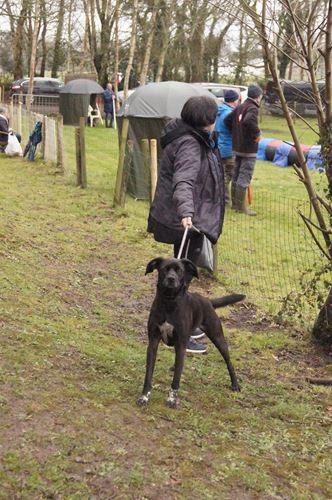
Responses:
[219,89]
[298,95]
[41,86]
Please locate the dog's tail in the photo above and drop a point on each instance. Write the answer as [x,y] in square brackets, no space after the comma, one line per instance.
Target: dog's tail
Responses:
[227,300]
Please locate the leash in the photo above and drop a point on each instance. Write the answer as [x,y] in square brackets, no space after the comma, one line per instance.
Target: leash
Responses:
[184,237]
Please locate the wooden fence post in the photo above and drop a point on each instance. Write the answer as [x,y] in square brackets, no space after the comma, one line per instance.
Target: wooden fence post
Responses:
[78,157]
[44,135]
[11,111]
[119,198]
[19,118]
[153,166]
[146,163]
[60,145]
[82,157]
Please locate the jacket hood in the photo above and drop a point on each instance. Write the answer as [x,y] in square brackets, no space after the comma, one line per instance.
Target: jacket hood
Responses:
[177,128]
[223,107]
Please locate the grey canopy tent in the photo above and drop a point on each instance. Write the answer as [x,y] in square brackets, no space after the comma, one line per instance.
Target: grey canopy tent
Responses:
[75,98]
[148,109]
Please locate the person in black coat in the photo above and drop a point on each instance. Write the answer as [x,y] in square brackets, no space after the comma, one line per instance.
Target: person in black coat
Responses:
[190,185]
[243,122]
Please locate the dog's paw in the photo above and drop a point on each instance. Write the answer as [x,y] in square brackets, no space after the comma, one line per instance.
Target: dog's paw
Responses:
[171,403]
[236,387]
[142,400]
[172,399]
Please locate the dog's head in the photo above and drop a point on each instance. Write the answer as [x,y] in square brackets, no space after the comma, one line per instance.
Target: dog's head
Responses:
[173,274]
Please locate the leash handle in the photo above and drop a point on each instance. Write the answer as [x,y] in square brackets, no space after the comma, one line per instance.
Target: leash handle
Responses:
[184,237]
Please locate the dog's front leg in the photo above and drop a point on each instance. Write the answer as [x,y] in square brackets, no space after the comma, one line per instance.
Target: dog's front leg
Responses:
[151,355]
[180,351]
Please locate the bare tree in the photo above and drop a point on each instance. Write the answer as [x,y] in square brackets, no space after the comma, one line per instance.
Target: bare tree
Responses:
[149,41]
[100,39]
[58,52]
[312,28]
[133,40]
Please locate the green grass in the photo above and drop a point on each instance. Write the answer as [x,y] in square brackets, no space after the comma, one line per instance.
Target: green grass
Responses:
[74,306]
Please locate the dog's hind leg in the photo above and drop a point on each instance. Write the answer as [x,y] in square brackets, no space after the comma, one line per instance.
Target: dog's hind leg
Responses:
[151,355]
[180,351]
[221,344]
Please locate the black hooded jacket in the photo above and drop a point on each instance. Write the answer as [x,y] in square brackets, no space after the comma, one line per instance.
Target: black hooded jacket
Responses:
[190,184]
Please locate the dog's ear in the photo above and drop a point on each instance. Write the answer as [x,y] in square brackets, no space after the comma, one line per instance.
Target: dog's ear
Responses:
[191,270]
[153,264]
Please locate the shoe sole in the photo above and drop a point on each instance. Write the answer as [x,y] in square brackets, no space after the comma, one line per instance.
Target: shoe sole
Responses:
[197,336]
[193,351]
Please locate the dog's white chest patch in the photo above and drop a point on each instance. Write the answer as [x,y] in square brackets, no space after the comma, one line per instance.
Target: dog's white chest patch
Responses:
[166,330]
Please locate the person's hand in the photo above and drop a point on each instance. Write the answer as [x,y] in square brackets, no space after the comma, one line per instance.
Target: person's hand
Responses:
[187,222]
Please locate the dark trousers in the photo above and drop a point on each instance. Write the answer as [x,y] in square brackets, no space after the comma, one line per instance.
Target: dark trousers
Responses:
[108,119]
[243,171]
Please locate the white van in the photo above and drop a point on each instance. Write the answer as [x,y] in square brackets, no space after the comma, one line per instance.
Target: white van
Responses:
[219,89]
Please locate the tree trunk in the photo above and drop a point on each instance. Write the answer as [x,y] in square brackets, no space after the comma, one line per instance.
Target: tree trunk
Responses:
[57,54]
[132,49]
[43,39]
[322,329]
[165,20]
[148,46]
[18,42]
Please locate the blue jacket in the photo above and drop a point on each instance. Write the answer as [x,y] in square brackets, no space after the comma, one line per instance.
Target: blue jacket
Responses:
[224,134]
[108,96]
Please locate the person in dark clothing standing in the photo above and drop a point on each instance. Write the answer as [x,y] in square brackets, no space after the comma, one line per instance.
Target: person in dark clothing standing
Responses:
[243,122]
[108,97]
[190,185]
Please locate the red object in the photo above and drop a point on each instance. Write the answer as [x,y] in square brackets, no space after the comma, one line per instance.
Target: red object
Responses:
[249,195]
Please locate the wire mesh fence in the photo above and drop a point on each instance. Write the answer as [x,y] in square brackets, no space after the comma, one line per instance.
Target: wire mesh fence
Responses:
[43,104]
[272,257]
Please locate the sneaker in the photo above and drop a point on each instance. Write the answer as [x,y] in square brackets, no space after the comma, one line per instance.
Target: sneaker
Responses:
[195,347]
[197,334]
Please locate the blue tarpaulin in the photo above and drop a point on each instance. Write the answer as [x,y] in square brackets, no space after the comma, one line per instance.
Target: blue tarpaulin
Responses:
[261,154]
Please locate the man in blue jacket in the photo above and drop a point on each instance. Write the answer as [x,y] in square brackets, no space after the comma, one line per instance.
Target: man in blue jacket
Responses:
[224,137]
[108,97]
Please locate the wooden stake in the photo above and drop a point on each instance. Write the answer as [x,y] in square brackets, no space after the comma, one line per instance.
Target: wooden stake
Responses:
[146,163]
[19,118]
[82,153]
[119,198]
[78,157]
[60,145]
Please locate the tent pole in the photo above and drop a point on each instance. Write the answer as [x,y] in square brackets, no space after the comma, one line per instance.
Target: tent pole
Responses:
[153,166]
[119,199]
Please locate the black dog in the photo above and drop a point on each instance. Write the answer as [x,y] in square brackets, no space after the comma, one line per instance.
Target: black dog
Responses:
[174,315]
